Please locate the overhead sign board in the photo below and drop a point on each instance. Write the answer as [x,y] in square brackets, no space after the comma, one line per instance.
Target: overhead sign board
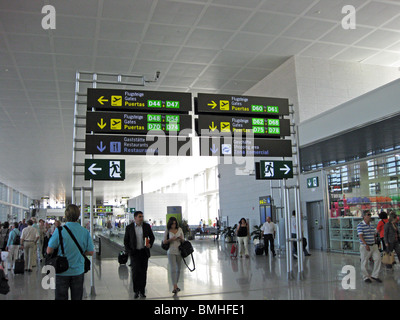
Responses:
[274,170]
[260,126]
[102,169]
[138,145]
[137,123]
[257,147]
[263,106]
[139,100]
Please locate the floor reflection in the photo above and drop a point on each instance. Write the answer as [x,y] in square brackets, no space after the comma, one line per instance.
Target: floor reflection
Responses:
[218,276]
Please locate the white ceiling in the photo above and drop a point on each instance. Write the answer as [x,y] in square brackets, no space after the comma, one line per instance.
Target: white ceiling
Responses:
[216,46]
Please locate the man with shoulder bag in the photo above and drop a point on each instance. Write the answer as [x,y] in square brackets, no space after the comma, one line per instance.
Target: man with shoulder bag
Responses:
[77,244]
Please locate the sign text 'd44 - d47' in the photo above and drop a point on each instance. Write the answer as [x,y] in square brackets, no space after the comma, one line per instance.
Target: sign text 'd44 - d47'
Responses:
[139,100]
[104,169]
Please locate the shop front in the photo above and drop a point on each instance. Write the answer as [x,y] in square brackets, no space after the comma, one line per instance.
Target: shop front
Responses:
[371,184]
[350,162]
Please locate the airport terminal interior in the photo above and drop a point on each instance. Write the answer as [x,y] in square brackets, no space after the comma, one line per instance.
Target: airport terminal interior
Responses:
[208,111]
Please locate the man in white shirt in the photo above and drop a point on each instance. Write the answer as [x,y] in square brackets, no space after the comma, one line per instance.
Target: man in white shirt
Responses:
[29,238]
[269,231]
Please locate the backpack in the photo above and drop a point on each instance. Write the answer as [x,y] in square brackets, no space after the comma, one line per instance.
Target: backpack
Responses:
[17,240]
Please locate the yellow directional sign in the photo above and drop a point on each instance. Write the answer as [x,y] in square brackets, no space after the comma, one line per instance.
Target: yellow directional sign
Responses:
[139,100]
[101,124]
[224,105]
[116,101]
[225,127]
[212,104]
[213,127]
[115,124]
[102,100]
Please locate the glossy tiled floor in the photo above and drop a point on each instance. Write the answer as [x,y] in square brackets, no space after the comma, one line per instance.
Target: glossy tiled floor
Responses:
[218,277]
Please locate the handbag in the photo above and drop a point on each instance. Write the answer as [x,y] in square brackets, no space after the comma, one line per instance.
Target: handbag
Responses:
[186,249]
[59,263]
[388,258]
[165,246]
[87,261]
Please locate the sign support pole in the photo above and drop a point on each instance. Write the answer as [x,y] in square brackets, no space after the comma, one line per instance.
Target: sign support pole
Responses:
[296,191]
[287,231]
[83,80]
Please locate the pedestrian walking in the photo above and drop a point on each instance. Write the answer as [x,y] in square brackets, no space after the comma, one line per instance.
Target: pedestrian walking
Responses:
[138,240]
[72,279]
[368,248]
[174,237]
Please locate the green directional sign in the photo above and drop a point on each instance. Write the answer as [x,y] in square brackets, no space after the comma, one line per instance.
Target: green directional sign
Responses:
[104,169]
[312,182]
[275,170]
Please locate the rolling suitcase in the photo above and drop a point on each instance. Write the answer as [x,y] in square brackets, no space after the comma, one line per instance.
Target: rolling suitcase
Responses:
[234,251]
[19,265]
[259,249]
[122,257]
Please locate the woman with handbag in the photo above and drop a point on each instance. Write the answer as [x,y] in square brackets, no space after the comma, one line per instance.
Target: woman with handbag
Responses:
[173,237]
[392,235]
[243,234]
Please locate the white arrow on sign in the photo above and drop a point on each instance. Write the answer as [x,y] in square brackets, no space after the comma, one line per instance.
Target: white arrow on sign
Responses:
[92,169]
[286,169]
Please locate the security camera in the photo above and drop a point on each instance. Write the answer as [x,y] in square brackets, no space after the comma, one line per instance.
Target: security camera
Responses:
[158,74]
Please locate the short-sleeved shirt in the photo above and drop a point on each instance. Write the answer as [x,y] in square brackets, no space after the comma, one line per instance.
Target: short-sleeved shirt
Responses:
[75,259]
[368,232]
[13,235]
[268,228]
[29,234]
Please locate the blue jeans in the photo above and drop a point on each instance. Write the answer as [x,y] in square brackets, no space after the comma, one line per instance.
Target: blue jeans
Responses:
[75,283]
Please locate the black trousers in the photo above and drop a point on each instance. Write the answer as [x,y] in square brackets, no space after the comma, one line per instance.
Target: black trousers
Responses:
[139,263]
[269,238]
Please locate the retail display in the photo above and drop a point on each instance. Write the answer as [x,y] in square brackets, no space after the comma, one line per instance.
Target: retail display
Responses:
[343,234]
[354,206]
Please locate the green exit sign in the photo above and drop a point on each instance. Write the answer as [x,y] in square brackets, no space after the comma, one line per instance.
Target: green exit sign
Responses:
[102,169]
[271,170]
[312,182]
